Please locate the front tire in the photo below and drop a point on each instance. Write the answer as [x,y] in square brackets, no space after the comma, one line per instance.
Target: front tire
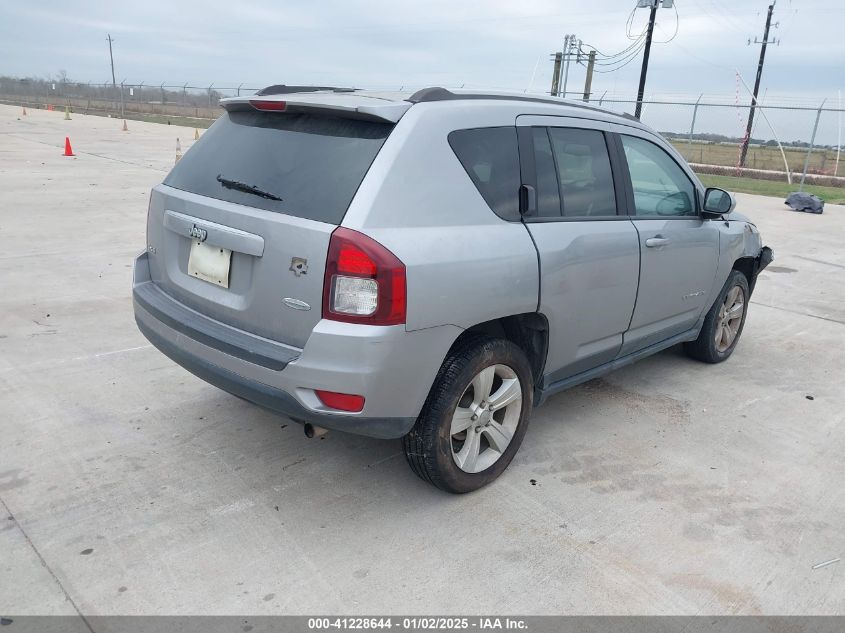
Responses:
[724,322]
[475,416]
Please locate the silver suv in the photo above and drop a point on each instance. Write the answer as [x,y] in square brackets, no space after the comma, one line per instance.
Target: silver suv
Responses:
[431,266]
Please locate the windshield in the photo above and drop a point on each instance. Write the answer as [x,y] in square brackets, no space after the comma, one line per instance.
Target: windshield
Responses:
[304,165]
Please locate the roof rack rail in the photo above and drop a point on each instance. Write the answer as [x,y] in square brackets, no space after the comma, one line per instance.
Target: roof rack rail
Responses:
[436,93]
[282,89]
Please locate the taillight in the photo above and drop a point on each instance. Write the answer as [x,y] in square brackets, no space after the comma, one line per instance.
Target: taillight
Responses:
[341,401]
[364,282]
[269,106]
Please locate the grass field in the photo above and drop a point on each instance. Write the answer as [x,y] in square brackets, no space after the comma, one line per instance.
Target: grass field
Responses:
[831,195]
[821,161]
[178,117]
[167,119]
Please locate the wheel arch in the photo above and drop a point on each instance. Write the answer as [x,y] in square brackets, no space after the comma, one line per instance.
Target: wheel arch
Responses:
[529,331]
[747,266]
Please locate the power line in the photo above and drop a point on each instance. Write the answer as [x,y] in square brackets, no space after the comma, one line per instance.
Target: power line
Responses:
[632,52]
[718,17]
[617,68]
[630,23]
[738,17]
[677,27]
[621,53]
[702,59]
[625,62]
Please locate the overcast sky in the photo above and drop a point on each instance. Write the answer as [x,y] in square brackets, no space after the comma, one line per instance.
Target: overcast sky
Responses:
[391,43]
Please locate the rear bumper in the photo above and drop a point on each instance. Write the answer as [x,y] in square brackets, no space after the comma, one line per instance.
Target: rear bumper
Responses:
[393,369]
[272,398]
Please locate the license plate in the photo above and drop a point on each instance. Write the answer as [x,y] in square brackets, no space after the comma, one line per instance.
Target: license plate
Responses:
[210,263]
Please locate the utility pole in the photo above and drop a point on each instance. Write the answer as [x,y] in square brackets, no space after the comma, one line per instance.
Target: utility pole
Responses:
[563,63]
[644,70]
[111,57]
[588,83]
[764,43]
[113,80]
[556,75]
[568,45]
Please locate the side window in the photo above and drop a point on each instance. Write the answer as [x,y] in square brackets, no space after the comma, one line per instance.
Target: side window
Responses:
[584,175]
[491,159]
[660,186]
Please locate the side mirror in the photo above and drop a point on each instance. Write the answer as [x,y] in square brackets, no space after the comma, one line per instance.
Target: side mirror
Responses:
[718,201]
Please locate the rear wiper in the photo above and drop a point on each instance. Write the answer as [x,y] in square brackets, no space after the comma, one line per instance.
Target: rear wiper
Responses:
[242,186]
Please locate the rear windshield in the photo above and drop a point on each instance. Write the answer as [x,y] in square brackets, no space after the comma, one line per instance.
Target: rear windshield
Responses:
[300,164]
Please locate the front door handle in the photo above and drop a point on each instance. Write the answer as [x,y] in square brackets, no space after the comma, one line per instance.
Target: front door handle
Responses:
[653,242]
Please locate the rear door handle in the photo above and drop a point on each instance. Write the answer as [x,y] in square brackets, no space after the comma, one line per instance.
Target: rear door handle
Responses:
[527,199]
[652,242]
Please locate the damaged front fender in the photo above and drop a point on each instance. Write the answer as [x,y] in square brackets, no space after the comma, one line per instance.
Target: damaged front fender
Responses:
[763,259]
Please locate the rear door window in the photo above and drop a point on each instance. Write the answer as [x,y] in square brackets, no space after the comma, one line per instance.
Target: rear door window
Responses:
[584,174]
[491,159]
[305,165]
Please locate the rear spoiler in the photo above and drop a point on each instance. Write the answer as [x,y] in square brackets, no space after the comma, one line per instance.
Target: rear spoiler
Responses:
[340,104]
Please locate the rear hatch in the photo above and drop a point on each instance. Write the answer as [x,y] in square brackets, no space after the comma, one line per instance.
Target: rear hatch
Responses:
[240,228]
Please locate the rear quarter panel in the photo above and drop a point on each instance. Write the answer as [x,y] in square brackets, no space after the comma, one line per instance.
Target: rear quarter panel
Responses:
[465,265]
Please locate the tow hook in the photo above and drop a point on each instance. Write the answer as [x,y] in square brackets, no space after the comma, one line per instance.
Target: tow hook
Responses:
[312,431]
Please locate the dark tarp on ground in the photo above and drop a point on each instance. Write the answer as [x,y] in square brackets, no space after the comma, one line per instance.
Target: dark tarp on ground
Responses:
[807,202]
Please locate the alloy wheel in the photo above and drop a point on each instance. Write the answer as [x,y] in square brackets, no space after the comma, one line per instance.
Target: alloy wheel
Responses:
[486,418]
[730,319]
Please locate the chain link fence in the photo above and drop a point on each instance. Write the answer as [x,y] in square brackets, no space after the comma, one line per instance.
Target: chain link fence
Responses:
[165,99]
[787,141]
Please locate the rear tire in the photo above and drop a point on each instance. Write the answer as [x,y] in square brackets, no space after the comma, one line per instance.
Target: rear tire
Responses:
[483,391]
[724,322]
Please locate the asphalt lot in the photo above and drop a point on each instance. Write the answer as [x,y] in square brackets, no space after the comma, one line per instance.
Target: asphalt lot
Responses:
[128,486]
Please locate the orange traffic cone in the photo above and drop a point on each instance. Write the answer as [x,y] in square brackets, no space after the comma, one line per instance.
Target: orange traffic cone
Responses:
[68,149]
[24,111]
[125,129]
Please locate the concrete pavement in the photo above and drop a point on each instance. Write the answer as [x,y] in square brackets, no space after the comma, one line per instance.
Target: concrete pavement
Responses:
[130,487]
